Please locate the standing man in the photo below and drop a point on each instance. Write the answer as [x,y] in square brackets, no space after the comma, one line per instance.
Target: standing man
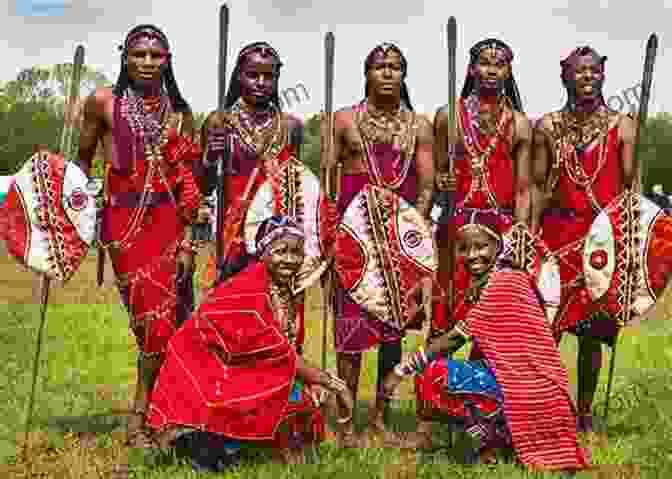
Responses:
[491,169]
[587,151]
[380,141]
[258,132]
[151,198]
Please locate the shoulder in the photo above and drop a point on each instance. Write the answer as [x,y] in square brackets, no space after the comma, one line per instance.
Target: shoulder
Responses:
[293,121]
[441,115]
[545,123]
[627,125]
[523,125]
[99,100]
[424,126]
[217,119]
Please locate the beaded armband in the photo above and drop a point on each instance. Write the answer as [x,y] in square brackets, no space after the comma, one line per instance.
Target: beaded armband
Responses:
[188,246]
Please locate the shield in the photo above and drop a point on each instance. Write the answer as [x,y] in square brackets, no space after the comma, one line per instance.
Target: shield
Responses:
[50,216]
[290,189]
[384,249]
[532,254]
[626,256]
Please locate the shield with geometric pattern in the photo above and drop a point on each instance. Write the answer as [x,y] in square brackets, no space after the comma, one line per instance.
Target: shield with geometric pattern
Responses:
[384,249]
[49,216]
[627,256]
[290,189]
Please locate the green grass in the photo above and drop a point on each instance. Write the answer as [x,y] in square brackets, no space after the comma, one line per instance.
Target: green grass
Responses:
[88,372]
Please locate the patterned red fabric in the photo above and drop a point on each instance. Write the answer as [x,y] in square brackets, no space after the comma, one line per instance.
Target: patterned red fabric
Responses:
[511,331]
[145,260]
[564,235]
[229,369]
[659,254]
[431,386]
[498,171]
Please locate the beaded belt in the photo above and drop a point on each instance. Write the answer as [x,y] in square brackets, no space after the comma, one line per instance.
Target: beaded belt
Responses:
[132,199]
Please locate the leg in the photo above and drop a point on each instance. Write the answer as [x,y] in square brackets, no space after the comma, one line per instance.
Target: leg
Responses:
[588,371]
[349,366]
[389,356]
[148,368]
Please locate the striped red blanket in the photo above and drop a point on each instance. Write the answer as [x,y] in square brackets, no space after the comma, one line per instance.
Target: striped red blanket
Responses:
[509,326]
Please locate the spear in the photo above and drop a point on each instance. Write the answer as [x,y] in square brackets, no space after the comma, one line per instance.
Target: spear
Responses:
[330,189]
[64,149]
[225,157]
[649,59]
[448,202]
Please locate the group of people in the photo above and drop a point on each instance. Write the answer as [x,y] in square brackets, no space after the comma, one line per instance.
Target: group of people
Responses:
[232,369]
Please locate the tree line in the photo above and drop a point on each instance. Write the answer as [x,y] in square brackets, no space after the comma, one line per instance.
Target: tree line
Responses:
[34,109]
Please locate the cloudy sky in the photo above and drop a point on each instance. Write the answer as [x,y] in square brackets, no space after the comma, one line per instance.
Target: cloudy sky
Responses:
[540,33]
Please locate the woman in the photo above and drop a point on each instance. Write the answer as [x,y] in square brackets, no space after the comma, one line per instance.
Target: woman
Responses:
[513,390]
[232,369]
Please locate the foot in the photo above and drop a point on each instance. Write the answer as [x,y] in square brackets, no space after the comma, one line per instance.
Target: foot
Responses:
[378,432]
[137,435]
[417,440]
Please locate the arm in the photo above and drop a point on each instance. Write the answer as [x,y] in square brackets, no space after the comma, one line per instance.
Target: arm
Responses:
[523,184]
[425,166]
[540,167]
[93,128]
[330,161]
[627,132]
[208,178]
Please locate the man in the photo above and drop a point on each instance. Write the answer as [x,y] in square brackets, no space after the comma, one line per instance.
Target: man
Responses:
[501,313]
[380,141]
[151,196]
[491,166]
[233,371]
[258,132]
[584,152]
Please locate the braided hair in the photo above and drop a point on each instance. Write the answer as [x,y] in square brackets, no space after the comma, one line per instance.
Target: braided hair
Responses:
[471,82]
[234,91]
[384,48]
[168,81]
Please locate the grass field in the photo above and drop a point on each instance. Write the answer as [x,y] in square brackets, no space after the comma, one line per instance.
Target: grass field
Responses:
[87,373]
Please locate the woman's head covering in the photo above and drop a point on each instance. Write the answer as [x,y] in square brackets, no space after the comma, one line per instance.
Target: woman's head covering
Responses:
[234,91]
[273,229]
[383,49]
[491,222]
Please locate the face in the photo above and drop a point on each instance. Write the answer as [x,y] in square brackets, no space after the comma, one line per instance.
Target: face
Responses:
[492,68]
[146,56]
[258,78]
[385,74]
[284,258]
[479,250]
[587,76]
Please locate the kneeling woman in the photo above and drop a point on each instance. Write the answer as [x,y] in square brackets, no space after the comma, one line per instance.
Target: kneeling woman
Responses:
[513,390]
[232,369]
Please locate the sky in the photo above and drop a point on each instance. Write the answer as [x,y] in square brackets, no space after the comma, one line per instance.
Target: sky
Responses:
[43,32]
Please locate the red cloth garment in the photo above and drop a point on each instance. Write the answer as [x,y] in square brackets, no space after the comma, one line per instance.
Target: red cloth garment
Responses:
[229,369]
[143,238]
[564,232]
[509,326]
[496,184]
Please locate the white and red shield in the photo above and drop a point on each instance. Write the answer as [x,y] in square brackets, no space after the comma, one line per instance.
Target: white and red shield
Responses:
[533,255]
[384,249]
[290,189]
[627,258]
[50,216]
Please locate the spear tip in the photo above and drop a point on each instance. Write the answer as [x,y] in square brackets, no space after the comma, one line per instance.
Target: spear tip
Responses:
[653,41]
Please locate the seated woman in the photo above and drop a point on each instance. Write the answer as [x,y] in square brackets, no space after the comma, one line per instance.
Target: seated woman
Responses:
[513,390]
[232,369]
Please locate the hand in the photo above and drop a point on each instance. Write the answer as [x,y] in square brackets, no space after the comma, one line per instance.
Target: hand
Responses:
[446,182]
[391,383]
[325,137]
[185,263]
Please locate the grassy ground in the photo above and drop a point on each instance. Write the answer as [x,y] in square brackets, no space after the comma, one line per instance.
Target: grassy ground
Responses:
[87,374]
